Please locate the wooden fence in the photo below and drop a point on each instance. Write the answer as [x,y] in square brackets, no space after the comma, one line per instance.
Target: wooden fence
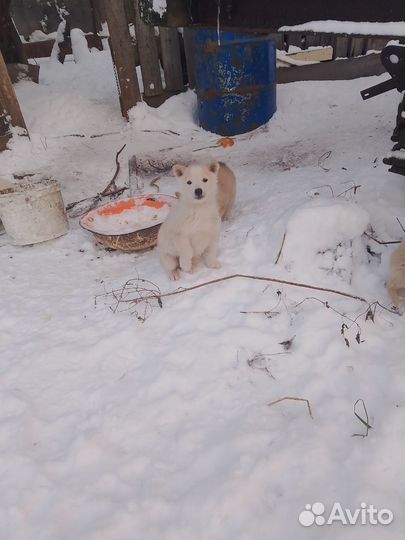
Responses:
[167,49]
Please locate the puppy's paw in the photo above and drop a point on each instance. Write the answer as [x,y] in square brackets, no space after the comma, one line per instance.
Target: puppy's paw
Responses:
[174,275]
[186,266]
[195,262]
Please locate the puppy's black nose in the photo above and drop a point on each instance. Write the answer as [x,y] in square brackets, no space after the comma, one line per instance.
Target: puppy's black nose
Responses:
[198,192]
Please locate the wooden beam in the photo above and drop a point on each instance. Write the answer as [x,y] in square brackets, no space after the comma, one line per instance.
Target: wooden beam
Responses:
[169,40]
[43,49]
[350,68]
[123,55]
[10,112]
[314,55]
[148,55]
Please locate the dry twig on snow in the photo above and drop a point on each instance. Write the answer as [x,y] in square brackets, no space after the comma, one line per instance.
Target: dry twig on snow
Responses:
[111,190]
[281,248]
[365,422]
[293,399]
[132,287]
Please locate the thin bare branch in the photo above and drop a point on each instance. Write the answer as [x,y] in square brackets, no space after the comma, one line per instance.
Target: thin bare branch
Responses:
[400,224]
[281,248]
[380,241]
[293,399]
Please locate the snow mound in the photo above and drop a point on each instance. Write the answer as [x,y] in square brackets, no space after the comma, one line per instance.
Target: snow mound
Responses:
[323,237]
[80,48]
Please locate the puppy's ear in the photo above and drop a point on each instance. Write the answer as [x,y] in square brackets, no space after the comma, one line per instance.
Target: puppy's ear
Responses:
[213,167]
[178,170]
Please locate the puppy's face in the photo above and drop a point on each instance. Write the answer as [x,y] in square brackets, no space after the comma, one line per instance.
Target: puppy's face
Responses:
[197,183]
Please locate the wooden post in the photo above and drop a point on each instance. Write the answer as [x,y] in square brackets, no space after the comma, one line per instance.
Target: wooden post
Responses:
[169,40]
[188,36]
[148,55]
[10,112]
[123,54]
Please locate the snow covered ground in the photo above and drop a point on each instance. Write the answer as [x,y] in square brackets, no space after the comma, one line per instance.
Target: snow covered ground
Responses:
[114,429]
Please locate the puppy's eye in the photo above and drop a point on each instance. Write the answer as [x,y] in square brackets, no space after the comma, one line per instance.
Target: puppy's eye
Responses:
[189,182]
[205,179]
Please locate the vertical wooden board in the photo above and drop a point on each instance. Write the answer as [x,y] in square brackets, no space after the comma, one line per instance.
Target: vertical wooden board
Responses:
[123,53]
[10,112]
[356,46]
[340,47]
[189,52]
[97,14]
[170,46]
[312,40]
[297,39]
[326,40]
[376,44]
[148,55]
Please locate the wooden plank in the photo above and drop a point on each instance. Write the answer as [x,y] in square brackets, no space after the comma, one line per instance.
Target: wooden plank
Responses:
[148,55]
[296,39]
[170,46]
[43,49]
[188,34]
[376,44]
[123,54]
[340,47]
[10,112]
[350,68]
[356,47]
[312,40]
[315,55]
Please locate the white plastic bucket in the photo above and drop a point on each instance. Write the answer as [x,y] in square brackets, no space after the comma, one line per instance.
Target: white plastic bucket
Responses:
[33,212]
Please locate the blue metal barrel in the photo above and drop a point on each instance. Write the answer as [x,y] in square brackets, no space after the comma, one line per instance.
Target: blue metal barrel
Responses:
[235,81]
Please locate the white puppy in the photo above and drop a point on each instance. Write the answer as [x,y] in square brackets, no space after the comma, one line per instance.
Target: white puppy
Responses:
[226,191]
[192,227]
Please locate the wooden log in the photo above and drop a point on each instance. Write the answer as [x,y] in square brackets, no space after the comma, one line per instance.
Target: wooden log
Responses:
[10,112]
[188,38]
[170,47]
[148,55]
[123,54]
